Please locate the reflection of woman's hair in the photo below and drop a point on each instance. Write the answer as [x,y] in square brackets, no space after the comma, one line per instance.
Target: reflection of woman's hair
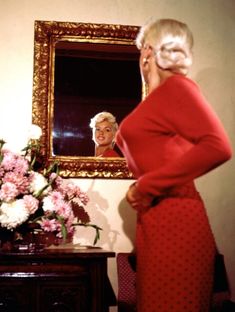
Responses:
[172,42]
[104,116]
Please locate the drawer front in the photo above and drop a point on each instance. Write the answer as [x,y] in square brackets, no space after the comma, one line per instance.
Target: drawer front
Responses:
[60,295]
[45,294]
[16,295]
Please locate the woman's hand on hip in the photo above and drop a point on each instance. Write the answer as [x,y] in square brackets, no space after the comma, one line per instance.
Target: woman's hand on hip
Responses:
[138,200]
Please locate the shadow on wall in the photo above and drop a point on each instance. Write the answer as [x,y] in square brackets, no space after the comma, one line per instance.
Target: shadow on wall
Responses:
[116,222]
[217,85]
[97,208]
[128,216]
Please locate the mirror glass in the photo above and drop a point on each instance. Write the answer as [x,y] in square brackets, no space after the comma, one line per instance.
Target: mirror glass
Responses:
[81,70]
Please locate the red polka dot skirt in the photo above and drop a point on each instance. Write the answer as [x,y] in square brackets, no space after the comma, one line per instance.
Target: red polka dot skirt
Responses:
[175,257]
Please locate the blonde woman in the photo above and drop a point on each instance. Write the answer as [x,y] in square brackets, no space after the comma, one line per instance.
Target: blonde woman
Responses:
[104,128]
[172,137]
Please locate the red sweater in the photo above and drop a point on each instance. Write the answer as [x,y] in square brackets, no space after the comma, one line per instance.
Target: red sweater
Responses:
[110,153]
[172,137]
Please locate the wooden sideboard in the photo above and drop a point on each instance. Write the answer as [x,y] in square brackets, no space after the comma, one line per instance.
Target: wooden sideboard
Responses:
[55,280]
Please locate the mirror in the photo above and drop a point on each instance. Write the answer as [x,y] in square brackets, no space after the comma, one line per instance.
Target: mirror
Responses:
[81,69]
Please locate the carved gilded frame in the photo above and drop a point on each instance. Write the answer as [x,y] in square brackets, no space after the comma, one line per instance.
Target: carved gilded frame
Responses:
[47,33]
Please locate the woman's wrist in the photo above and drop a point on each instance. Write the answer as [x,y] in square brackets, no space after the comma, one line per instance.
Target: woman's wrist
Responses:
[135,187]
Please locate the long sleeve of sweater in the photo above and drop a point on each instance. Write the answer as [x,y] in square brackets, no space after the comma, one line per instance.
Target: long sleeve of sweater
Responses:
[186,113]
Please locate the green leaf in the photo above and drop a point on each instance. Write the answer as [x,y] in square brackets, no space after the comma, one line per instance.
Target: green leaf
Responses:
[97,229]
[63,227]
[64,231]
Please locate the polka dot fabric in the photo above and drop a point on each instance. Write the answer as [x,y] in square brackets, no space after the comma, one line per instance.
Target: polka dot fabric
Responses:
[126,280]
[175,257]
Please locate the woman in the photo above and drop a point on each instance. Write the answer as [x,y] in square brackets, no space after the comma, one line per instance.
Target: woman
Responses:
[104,128]
[171,138]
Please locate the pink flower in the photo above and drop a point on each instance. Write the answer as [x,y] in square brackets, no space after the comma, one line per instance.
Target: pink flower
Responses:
[69,224]
[54,176]
[9,159]
[56,197]
[31,203]
[58,180]
[49,225]
[21,165]
[67,188]
[28,195]
[64,210]
[8,192]
[2,171]
[53,201]
[21,182]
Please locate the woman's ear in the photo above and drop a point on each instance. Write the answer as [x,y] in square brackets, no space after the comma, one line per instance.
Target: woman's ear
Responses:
[147,54]
[148,51]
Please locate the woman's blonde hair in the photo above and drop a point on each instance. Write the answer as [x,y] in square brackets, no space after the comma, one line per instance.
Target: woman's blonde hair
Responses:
[172,42]
[104,116]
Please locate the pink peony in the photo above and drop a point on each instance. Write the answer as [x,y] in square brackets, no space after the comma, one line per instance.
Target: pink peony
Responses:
[27,195]
[8,192]
[31,203]
[21,165]
[9,159]
[21,182]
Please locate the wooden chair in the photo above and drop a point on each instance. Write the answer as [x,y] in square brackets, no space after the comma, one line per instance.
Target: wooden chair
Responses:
[126,297]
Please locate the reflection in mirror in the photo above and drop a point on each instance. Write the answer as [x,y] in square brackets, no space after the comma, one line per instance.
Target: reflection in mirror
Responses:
[80,70]
[104,129]
[90,78]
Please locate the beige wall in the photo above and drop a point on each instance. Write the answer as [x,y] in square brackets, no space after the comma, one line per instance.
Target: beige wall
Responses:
[213,24]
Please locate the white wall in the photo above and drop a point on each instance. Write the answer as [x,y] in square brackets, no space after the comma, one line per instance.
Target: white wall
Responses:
[213,24]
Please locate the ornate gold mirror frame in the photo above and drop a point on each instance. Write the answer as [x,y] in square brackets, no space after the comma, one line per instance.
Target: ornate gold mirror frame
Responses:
[47,36]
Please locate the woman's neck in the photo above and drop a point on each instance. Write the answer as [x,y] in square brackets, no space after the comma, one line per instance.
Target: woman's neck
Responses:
[100,150]
[158,78]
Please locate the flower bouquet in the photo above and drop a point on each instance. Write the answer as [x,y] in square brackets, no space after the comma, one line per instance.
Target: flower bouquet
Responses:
[35,201]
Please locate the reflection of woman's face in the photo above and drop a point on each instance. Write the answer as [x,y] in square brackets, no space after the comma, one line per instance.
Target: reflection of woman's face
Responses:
[103,134]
